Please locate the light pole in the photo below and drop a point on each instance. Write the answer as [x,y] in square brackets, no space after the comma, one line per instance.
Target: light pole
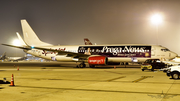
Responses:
[156,19]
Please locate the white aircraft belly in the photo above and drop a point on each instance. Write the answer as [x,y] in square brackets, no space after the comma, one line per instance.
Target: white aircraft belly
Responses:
[117,59]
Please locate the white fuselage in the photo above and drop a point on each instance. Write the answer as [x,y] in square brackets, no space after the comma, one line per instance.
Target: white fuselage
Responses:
[115,53]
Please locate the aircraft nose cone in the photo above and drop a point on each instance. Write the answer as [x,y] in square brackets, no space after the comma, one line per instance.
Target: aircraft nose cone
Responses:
[174,55]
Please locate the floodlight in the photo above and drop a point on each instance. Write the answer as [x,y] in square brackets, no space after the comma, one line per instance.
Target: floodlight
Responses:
[156,19]
[16,42]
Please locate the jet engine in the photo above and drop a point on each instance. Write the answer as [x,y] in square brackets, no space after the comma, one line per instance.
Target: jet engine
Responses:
[97,60]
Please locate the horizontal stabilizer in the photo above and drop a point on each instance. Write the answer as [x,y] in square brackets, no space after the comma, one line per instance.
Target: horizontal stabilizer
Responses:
[27,48]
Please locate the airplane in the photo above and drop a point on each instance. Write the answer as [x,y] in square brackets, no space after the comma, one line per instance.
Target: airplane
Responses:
[174,61]
[91,54]
[171,62]
[3,57]
[87,41]
[14,59]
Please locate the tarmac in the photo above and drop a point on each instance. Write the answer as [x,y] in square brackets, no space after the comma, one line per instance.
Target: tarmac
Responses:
[64,82]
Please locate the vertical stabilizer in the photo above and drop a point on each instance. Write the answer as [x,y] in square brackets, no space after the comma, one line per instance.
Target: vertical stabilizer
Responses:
[3,57]
[30,36]
[87,42]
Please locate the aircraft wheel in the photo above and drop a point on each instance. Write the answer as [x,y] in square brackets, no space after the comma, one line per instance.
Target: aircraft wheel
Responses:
[122,63]
[175,75]
[82,65]
[77,66]
[91,66]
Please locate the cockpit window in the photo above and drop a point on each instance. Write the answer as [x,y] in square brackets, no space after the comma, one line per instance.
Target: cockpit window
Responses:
[165,50]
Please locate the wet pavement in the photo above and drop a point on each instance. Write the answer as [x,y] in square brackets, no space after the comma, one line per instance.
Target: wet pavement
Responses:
[59,81]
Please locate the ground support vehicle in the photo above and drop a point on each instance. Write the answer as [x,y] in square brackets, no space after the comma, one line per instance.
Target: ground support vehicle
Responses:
[174,72]
[151,64]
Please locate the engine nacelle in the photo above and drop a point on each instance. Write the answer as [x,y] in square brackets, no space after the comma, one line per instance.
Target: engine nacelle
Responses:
[97,60]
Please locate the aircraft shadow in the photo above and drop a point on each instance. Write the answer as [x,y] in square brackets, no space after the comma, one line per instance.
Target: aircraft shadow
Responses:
[95,90]
[173,79]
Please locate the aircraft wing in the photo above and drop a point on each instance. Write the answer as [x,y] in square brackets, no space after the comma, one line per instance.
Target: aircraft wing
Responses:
[22,58]
[69,54]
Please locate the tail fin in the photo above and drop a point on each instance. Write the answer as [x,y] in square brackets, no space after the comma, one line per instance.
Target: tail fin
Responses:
[87,42]
[3,56]
[30,36]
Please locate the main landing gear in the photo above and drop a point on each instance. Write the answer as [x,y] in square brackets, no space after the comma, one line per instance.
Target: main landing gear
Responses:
[81,65]
[92,66]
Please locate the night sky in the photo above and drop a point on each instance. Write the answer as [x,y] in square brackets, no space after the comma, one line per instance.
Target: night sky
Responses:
[68,22]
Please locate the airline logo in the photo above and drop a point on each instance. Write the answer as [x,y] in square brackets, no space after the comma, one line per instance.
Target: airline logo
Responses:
[100,60]
[50,52]
[117,51]
[87,42]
